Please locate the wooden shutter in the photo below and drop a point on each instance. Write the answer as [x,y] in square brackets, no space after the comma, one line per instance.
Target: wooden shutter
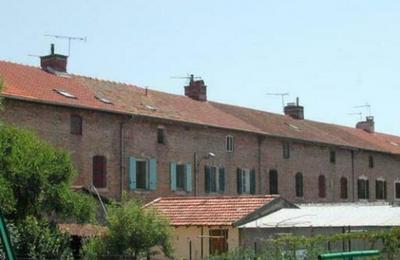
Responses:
[299,184]
[273,182]
[253,181]
[343,188]
[221,179]
[172,174]
[322,186]
[239,180]
[367,188]
[99,172]
[207,178]
[384,190]
[132,173]
[188,177]
[153,174]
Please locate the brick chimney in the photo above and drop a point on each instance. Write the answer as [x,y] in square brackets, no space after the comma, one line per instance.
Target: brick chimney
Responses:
[54,62]
[294,110]
[196,89]
[368,125]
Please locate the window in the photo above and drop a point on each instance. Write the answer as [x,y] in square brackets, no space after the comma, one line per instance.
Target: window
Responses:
[246,181]
[214,179]
[160,135]
[363,188]
[273,182]
[332,157]
[180,177]
[286,150]
[99,177]
[142,174]
[380,189]
[229,143]
[299,184]
[322,186]
[218,241]
[397,190]
[371,161]
[65,93]
[76,125]
[343,188]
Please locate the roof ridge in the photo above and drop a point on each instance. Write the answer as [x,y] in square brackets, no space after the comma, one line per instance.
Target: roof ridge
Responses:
[217,197]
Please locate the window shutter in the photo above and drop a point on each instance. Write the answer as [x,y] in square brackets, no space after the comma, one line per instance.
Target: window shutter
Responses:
[188,179]
[359,189]
[172,172]
[207,180]
[153,174]
[377,195]
[132,173]
[221,180]
[239,180]
[384,190]
[367,188]
[253,181]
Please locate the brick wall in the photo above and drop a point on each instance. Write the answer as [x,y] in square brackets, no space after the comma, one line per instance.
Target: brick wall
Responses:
[101,136]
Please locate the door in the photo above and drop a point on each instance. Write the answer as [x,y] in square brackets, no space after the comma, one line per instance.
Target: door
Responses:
[218,241]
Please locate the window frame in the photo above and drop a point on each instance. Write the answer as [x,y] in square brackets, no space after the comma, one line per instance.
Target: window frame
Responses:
[76,124]
[371,163]
[332,157]
[396,182]
[229,143]
[382,193]
[160,135]
[146,174]
[247,182]
[286,150]
[344,190]
[273,178]
[322,186]
[299,185]
[183,177]
[216,171]
[103,172]
[366,195]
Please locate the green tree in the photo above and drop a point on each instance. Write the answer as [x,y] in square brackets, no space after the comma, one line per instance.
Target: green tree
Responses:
[132,231]
[35,179]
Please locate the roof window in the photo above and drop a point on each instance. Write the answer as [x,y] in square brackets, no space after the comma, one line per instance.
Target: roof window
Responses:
[394,143]
[104,100]
[64,93]
[150,107]
[293,126]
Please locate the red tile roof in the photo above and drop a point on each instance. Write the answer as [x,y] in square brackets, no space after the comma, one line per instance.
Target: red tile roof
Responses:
[208,211]
[33,84]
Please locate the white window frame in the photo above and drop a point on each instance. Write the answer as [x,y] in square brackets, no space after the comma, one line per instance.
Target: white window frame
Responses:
[229,143]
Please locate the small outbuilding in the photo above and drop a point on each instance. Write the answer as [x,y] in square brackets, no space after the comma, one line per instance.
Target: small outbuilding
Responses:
[206,225]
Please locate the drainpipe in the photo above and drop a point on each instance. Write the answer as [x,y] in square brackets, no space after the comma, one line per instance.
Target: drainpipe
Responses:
[260,138]
[122,155]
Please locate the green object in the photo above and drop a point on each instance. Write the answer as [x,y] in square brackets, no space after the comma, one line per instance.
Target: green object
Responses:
[349,255]
[5,239]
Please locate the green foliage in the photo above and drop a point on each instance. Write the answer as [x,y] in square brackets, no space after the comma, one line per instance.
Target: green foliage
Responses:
[132,231]
[285,247]
[35,179]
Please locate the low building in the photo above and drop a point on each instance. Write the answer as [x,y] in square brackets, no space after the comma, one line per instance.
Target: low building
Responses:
[206,225]
[321,219]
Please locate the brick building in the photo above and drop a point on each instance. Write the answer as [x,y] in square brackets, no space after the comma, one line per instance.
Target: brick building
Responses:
[153,144]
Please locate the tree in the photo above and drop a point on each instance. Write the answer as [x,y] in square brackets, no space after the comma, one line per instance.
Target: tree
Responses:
[132,231]
[35,179]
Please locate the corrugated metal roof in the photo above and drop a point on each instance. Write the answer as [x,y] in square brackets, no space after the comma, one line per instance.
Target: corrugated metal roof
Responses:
[330,215]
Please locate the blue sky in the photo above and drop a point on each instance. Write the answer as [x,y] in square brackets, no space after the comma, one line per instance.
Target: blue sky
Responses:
[334,55]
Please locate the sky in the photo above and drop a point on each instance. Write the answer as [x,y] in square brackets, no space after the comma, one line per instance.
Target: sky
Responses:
[333,55]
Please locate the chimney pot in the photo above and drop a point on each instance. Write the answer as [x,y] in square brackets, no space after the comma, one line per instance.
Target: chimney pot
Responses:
[294,110]
[53,61]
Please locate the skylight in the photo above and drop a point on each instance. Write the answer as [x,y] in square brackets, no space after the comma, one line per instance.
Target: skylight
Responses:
[64,93]
[293,126]
[394,143]
[104,100]
[151,107]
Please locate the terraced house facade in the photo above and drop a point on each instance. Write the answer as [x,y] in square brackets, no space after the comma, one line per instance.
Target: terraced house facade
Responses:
[153,144]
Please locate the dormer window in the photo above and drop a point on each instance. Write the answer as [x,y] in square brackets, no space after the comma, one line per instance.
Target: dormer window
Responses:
[229,143]
[65,93]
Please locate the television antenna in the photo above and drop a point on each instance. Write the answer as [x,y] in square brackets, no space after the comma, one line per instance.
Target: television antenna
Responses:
[282,95]
[189,77]
[356,114]
[366,106]
[68,38]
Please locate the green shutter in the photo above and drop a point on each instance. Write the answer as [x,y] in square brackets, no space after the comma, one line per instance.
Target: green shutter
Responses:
[188,177]
[253,182]
[207,178]
[221,180]
[172,174]
[153,174]
[239,180]
[132,173]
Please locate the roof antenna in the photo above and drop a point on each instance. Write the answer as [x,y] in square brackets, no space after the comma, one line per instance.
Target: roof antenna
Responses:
[69,38]
[366,106]
[189,77]
[282,97]
[356,114]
